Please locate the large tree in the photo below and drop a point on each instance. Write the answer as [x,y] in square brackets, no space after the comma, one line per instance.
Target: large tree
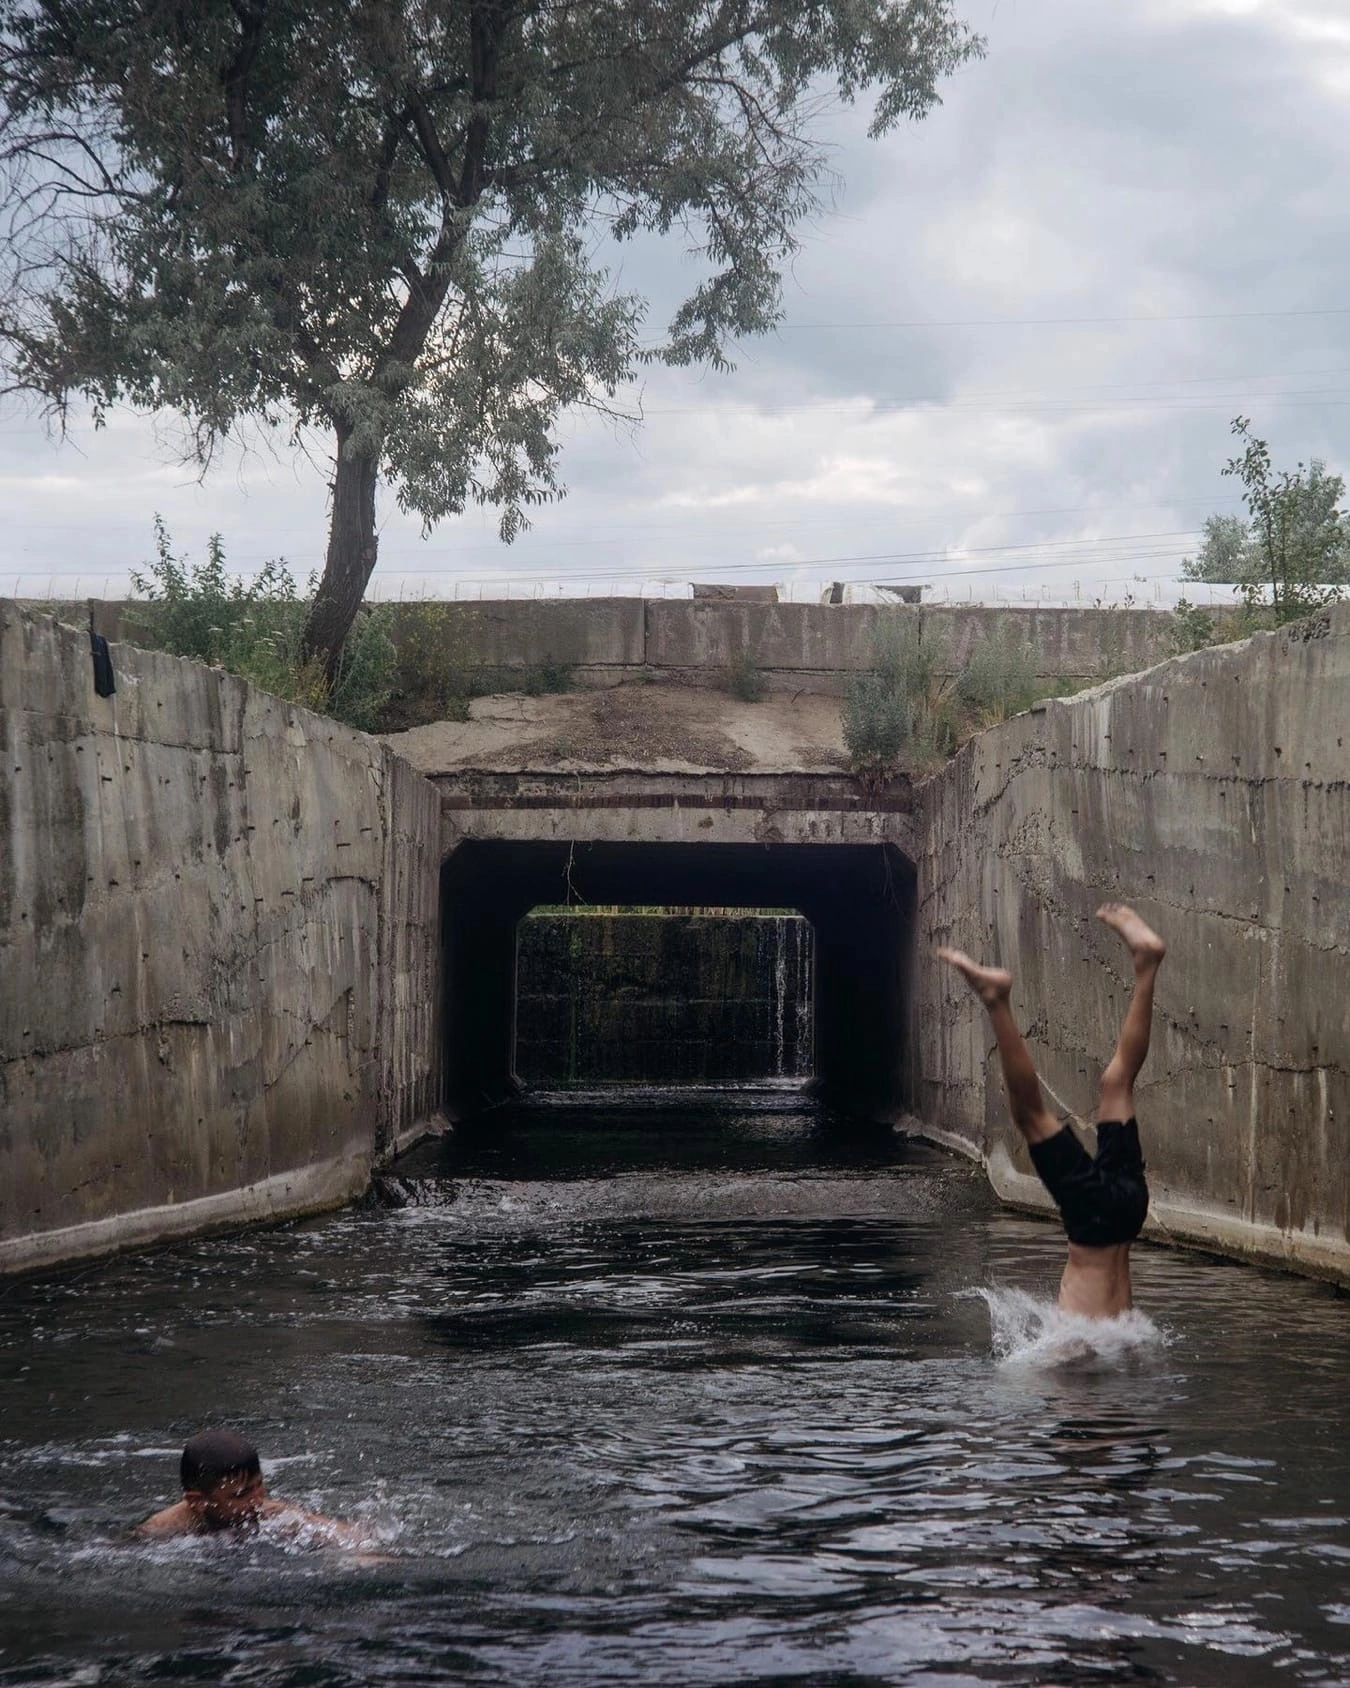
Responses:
[382,217]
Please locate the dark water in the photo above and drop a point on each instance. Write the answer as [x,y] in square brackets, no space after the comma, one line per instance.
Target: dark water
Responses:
[672,1398]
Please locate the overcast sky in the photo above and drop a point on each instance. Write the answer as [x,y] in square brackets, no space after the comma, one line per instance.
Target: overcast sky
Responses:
[1013,348]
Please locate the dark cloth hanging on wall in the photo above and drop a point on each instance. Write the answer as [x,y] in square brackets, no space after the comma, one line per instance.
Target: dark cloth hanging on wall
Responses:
[105,683]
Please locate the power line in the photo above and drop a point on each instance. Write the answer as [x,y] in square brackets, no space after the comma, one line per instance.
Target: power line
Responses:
[1085,549]
[1083,556]
[757,524]
[883,404]
[1057,322]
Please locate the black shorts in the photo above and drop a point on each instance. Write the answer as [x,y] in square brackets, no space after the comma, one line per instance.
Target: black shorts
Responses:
[1102,1201]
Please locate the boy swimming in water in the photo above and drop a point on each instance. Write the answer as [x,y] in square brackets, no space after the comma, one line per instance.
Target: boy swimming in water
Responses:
[1103,1201]
[223,1489]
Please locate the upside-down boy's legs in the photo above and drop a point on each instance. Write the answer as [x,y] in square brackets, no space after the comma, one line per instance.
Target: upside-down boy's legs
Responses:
[993,986]
[1115,1099]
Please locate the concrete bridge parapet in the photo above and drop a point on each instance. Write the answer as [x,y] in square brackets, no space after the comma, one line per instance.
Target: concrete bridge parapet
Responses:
[633,807]
[816,647]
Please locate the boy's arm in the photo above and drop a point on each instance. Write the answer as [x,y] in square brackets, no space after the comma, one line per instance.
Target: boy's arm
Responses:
[337,1530]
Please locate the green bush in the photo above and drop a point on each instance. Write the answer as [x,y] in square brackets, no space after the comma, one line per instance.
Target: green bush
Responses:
[878,725]
[433,677]
[904,710]
[547,678]
[998,679]
[744,679]
[1194,628]
[366,670]
[253,627]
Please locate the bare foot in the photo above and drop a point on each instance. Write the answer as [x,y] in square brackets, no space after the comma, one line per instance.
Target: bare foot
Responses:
[1146,946]
[990,984]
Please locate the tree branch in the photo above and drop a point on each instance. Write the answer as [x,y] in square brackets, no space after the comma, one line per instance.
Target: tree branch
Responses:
[234,78]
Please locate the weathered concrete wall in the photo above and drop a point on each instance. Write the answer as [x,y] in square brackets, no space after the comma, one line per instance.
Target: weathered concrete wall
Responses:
[1214,793]
[587,633]
[817,647]
[219,950]
[637,808]
[680,999]
[823,646]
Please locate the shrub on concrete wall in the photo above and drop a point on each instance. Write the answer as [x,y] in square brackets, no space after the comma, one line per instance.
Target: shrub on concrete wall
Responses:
[433,669]
[252,628]
[744,679]
[998,678]
[904,711]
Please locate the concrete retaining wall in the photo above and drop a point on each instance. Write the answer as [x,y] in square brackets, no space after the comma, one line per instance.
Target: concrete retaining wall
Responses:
[816,647]
[219,950]
[1214,793]
[820,647]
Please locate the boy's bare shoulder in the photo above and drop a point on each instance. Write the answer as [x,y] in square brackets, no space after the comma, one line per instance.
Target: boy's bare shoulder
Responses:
[176,1520]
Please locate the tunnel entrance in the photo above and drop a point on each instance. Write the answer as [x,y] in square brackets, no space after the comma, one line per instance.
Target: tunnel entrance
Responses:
[662,996]
[859,900]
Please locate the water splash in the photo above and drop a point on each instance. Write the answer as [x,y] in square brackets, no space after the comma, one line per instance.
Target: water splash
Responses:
[1033,1331]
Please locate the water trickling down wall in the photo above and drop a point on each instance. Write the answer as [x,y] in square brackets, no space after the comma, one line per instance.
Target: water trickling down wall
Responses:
[663,999]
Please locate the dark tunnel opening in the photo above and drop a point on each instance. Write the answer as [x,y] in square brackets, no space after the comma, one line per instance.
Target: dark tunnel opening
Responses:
[860,900]
[692,997]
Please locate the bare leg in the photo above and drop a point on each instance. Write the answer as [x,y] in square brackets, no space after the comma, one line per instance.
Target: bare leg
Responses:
[993,986]
[1115,1099]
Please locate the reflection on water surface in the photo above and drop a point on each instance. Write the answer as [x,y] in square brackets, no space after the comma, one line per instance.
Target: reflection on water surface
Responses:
[654,1395]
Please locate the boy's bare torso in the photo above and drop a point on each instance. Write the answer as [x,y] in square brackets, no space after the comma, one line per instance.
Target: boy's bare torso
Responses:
[1096,1281]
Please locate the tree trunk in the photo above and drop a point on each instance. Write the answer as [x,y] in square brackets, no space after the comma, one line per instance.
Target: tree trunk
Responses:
[352,548]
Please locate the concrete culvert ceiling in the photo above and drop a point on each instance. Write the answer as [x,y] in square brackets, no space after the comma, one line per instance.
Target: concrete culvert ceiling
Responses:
[859,899]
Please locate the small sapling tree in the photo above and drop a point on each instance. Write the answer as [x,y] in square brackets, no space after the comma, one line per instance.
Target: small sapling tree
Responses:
[1292,553]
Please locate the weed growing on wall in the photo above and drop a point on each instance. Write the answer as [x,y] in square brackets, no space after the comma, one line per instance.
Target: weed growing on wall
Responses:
[998,679]
[878,725]
[905,710]
[252,628]
[744,679]
[434,672]
[912,711]
[547,679]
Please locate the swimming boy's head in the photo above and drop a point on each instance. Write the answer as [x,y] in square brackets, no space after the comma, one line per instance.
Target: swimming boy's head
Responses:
[222,1480]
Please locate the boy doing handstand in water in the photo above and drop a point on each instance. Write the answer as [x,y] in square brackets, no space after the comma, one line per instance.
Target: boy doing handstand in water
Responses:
[1103,1201]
